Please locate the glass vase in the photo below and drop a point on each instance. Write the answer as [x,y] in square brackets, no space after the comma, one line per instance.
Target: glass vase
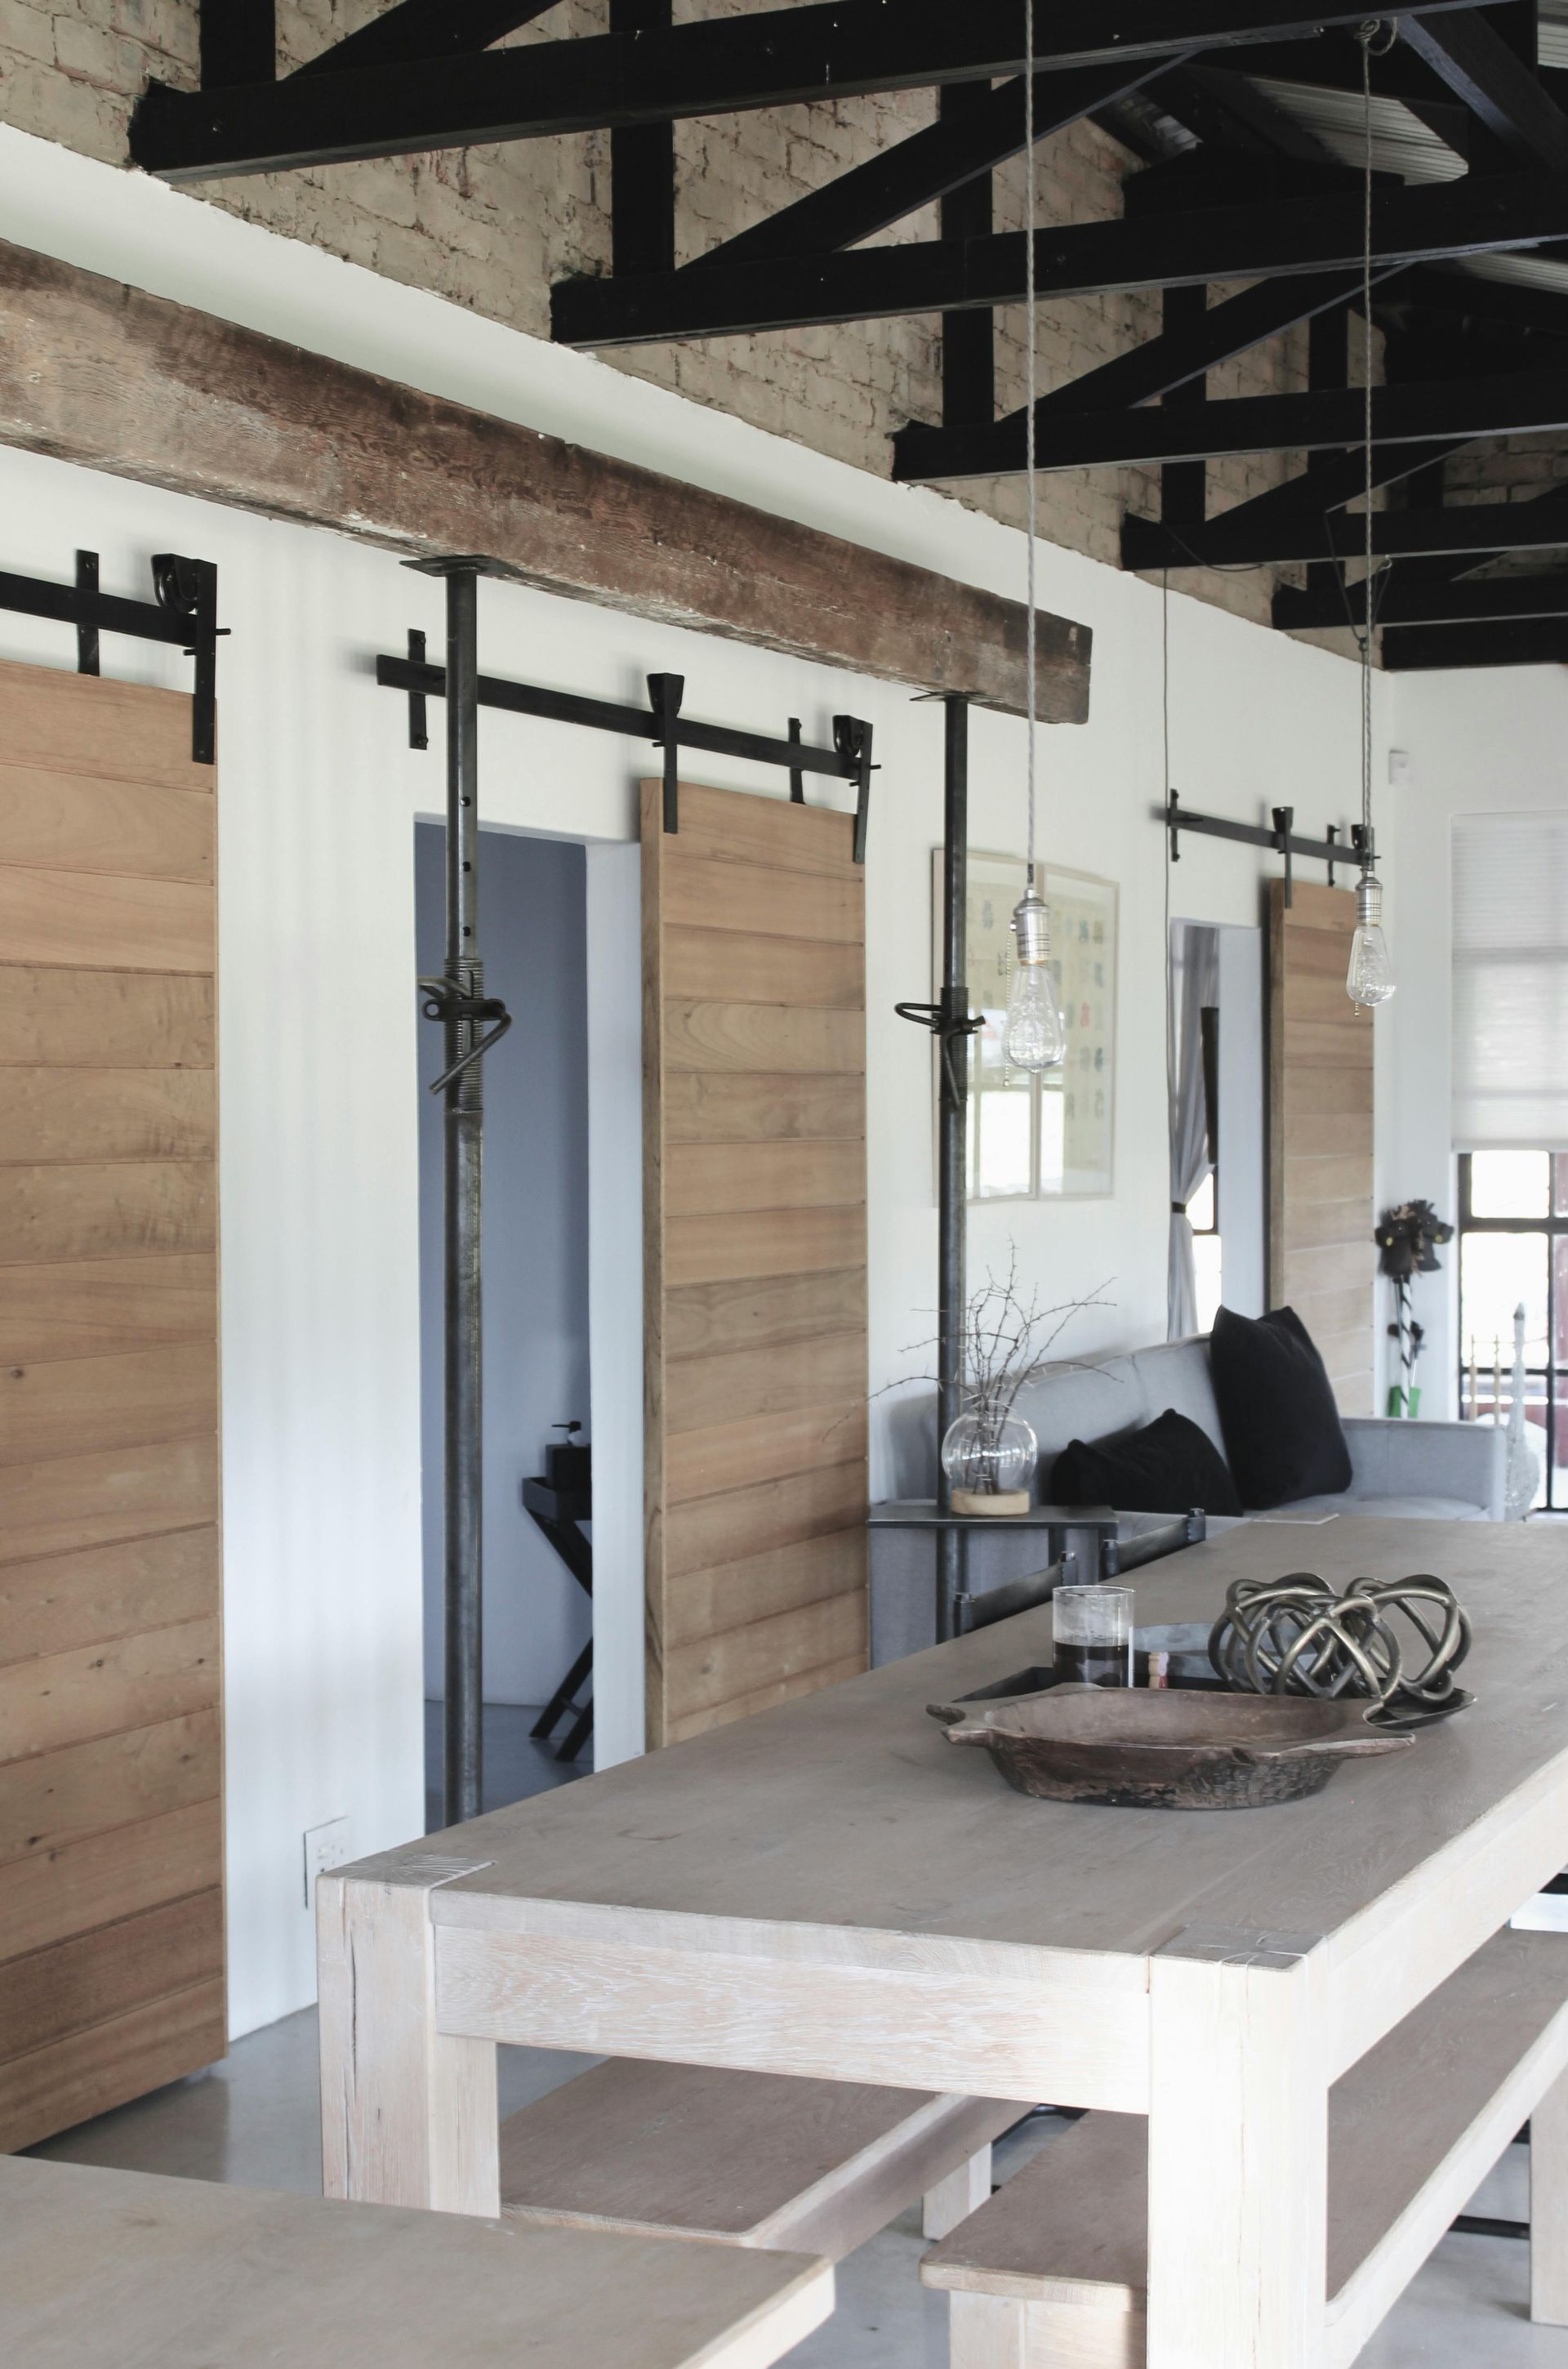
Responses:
[988,1461]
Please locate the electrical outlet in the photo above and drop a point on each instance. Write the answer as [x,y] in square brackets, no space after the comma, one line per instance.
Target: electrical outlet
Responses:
[328,1846]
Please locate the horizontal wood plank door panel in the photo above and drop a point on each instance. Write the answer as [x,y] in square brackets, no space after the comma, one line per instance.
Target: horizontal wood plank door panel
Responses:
[1321,1258]
[111,1881]
[754,1070]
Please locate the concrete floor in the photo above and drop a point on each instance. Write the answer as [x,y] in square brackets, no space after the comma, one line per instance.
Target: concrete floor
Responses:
[255,2120]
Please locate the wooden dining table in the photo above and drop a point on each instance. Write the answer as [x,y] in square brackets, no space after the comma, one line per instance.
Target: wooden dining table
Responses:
[829,1889]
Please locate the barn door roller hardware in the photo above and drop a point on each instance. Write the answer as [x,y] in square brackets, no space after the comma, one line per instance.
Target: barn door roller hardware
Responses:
[661,722]
[184,612]
[1330,850]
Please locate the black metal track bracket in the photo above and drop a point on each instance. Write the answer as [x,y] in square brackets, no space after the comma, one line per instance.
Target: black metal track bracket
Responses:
[184,612]
[665,693]
[849,759]
[1280,835]
[852,739]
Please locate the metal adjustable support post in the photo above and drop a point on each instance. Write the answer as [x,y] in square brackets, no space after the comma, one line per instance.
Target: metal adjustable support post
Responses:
[950,1022]
[458,1000]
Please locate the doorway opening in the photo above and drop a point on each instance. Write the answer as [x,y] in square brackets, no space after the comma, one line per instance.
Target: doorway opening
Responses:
[1218,1144]
[537,1614]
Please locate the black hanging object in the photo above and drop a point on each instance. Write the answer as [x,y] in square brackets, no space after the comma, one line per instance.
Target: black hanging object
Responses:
[86,634]
[665,693]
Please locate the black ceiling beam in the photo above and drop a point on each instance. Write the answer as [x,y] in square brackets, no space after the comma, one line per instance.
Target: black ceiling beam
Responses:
[1413,601]
[1479,530]
[930,164]
[1470,299]
[1150,369]
[1333,63]
[968,339]
[1542,641]
[1243,535]
[1236,242]
[642,164]
[417,29]
[1535,402]
[832,49]
[1495,84]
[239,42]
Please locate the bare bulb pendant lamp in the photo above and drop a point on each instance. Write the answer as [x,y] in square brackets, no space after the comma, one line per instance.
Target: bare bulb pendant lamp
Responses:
[1034,1037]
[1371,977]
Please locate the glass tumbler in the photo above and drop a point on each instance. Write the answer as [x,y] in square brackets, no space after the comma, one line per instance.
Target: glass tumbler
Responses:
[1093,1630]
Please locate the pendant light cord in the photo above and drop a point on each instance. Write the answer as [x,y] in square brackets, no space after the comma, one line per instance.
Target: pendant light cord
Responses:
[1369,33]
[1031,701]
[1376,36]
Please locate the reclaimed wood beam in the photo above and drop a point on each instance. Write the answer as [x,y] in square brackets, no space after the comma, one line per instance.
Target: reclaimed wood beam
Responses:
[111,378]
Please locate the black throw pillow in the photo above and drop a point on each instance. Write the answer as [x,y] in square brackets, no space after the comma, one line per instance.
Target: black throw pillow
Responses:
[1167,1467]
[1282,1429]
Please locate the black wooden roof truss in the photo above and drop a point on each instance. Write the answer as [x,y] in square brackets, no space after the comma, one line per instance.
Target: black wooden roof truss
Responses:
[1245,117]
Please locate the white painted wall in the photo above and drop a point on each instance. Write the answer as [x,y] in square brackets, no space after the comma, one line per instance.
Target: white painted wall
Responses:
[532,927]
[318,791]
[1487,742]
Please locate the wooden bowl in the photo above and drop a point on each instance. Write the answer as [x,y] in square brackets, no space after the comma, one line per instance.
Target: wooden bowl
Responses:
[1130,1747]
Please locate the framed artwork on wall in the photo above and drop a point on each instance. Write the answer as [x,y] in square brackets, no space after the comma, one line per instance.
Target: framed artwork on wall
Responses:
[1031,1138]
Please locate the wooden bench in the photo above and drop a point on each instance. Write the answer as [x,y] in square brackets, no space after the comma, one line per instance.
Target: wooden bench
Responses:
[117,2269]
[1052,2272]
[745,2159]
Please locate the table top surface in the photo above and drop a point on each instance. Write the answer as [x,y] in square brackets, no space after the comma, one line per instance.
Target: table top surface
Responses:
[120,2270]
[849,1810]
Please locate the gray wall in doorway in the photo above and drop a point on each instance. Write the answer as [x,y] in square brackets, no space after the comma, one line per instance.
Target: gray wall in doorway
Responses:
[533,936]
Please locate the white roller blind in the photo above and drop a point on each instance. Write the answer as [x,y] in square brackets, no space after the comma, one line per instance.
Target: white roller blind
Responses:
[1511,981]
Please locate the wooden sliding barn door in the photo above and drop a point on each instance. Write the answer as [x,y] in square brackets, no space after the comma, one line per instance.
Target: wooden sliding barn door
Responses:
[1322,1262]
[112,1907]
[754,1288]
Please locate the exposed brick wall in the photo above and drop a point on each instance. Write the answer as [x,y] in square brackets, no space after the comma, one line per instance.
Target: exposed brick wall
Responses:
[492,228]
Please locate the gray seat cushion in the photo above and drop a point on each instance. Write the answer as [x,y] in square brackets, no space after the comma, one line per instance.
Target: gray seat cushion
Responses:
[1407,1509]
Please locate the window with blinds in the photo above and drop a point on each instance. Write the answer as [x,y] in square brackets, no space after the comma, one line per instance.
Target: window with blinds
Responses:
[1510,1066]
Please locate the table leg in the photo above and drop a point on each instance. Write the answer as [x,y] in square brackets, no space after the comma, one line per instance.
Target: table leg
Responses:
[1238,2153]
[1548,2206]
[408,2114]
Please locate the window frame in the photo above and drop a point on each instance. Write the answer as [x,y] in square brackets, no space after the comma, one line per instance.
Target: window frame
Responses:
[1554,1374]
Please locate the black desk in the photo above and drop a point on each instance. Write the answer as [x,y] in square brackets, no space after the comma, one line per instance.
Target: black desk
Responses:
[560,1514]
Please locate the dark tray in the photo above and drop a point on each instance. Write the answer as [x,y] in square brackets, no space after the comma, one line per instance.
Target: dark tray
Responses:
[1190,1670]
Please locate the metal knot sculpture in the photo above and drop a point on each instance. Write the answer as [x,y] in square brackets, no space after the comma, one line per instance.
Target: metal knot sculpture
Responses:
[1382,1639]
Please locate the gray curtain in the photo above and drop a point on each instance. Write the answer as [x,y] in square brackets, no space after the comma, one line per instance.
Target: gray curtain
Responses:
[1195,983]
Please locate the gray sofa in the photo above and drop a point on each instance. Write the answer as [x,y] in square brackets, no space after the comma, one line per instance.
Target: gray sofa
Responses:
[1438,1471]
[1435,1471]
